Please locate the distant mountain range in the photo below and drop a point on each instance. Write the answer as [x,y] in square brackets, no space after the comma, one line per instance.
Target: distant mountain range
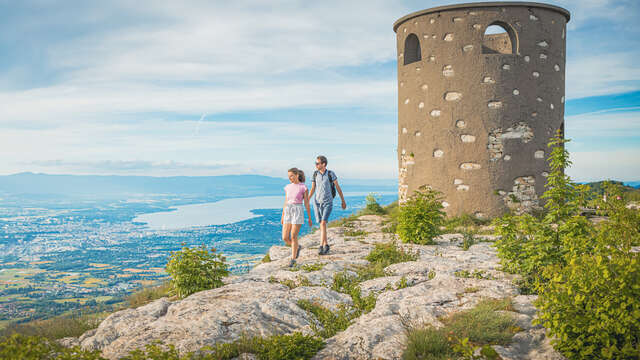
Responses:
[635,184]
[110,186]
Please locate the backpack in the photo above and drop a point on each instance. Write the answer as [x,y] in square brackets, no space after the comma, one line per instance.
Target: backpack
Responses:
[333,186]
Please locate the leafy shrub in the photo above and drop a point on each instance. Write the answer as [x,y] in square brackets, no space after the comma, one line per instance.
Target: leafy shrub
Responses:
[586,275]
[354,233]
[427,343]
[24,347]
[349,284]
[372,207]
[468,239]
[420,218]
[452,224]
[196,269]
[592,306]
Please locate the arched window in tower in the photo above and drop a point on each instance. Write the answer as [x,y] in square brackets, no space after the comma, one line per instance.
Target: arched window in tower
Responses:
[412,51]
[499,38]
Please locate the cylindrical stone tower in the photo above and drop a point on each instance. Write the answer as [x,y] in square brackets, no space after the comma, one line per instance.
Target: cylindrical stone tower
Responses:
[476,110]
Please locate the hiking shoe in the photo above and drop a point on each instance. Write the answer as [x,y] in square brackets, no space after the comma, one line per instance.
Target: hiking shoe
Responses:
[326,249]
[292,263]
[298,251]
[321,250]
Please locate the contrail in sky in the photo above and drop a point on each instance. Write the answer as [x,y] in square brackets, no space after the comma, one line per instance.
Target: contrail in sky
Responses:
[198,125]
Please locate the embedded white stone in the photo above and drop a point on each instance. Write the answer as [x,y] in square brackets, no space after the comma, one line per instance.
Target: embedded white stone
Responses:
[433,36]
[543,56]
[404,151]
[432,58]
[447,70]
[494,104]
[539,99]
[406,101]
[477,26]
[507,157]
[462,187]
[535,74]
[480,215]
[435,112]
[457,19]
[418,69]
[551,106]
[469,166]
[527,58]
[452,96]
[467,48]
[562,99]
[502,192]
[563,32]
[405,30]
[539,154]
[534,114]
[426,36]
[457,181]
[445,204]
[418,133]
[421,105]
[432,21]
[473,13]
[437,153]
[556,67]
[543,44]
[516,92]
[533,17]
[401,83]
[467,138]
[448,37]
[460,124]
[506,67]
[545,174]
[404,130]
[488,80]
[401,55]
[424,87]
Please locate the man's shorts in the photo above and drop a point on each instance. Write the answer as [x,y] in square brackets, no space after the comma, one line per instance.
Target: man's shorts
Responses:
[293,214]
[323,211]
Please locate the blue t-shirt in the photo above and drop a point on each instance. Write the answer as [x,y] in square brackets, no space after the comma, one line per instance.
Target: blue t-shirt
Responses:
[323,186]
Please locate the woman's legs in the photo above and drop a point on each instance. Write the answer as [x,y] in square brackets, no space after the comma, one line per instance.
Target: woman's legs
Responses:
[295,229]
[286,230]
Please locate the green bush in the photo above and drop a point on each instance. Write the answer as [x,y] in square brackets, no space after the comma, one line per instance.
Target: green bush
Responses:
[57,327]
[420,218]
[592,306]
[586,275]
[195,269]
[372,207]
[24,347]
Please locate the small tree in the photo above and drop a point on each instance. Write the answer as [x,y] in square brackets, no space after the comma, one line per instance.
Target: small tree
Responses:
[420,218]
[196,269]
[373,207]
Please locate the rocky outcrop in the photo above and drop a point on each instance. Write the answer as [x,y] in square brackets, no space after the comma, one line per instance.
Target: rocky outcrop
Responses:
[258,304]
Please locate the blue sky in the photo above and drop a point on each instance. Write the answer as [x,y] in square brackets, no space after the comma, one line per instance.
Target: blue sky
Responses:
[210,87]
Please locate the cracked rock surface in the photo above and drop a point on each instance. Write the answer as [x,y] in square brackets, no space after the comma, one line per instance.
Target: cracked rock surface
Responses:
[258,304]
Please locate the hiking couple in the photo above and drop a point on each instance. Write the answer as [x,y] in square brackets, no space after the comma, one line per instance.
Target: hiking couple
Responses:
[324,184]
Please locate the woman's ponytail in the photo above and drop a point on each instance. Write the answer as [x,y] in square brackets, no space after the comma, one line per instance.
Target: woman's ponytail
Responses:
[301,177]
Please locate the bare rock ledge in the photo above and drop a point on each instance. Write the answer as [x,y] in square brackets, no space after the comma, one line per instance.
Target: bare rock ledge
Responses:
[255,305]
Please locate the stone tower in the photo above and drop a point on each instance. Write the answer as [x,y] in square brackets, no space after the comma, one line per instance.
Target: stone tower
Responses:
[476,110]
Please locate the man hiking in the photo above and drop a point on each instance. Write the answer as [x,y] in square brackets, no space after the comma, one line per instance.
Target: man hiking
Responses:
[324,184]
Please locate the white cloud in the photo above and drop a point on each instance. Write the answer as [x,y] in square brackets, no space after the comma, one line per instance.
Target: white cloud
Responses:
[620,165]
[602,74]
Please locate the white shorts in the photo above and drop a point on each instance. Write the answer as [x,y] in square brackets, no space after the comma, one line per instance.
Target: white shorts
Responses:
[293,214]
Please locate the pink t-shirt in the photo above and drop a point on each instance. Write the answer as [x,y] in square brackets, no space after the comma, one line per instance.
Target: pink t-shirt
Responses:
[295,193]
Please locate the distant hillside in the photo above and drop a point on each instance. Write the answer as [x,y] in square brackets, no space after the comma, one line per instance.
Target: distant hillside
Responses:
[635,184]
[630,192]
[117,186]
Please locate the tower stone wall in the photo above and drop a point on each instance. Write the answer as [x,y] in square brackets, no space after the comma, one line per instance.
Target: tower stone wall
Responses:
[476,111]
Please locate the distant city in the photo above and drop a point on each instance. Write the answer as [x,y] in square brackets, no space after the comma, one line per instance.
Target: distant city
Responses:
[68,250]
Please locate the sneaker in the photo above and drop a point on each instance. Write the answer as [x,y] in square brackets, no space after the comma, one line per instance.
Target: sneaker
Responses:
[321,250]
[298,252]
[292,262]
[326,249]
